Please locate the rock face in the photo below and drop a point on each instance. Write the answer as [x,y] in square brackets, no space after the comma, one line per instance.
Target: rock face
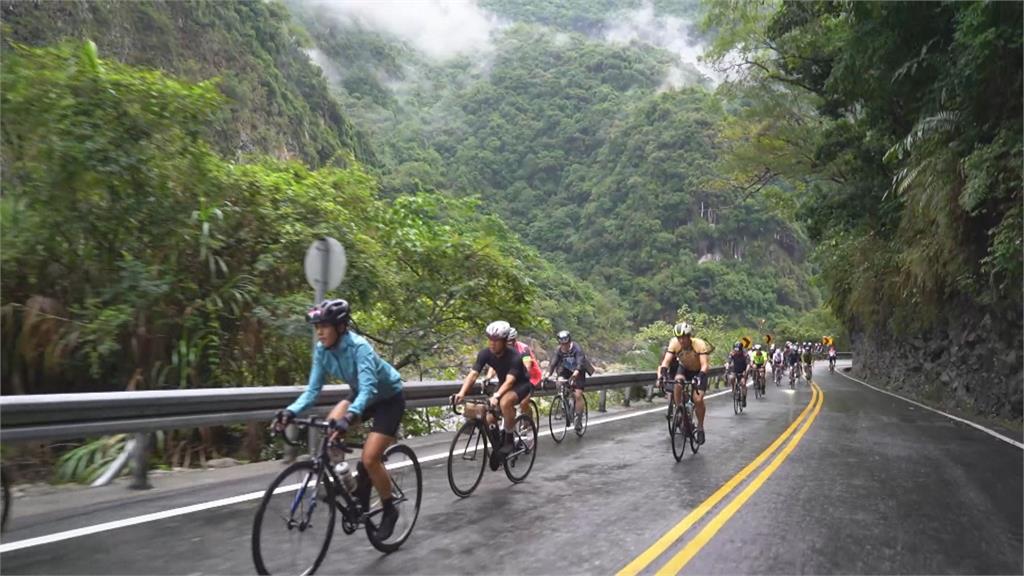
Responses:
[969,361]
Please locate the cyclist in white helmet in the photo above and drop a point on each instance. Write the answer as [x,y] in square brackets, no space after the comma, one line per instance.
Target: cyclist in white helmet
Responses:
[513,377]
[690,355]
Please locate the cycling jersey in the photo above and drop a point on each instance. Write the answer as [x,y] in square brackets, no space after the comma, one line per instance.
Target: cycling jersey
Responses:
[689,357]
[572,360]
[534,369]
[738,362]
[354,361]
[760,358]
[777,357]
[510,362]
[793,357]
[807,358]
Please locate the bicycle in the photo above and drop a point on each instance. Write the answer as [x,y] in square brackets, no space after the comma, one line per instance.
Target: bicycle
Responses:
[470,445]
[777,371]
[562,412]
[737,391]
[759,381]
[291,502]
[807,373]
[682,426]
[831,364]
[793,375]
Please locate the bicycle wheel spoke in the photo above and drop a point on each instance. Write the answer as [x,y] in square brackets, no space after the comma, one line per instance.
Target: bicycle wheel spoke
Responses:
[293,525]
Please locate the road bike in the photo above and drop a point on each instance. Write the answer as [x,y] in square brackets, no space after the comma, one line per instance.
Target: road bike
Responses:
[562,411]
[793,372]
[682,425]
[296,517]
[777,371]
[807,373]
[737,391]
[831,364]
[488,387]
[759,381]
[471,448]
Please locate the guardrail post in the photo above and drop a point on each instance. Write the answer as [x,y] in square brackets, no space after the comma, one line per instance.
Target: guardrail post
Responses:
[314,440]
[625,397]
[291,452]
[601,406]
[140,462]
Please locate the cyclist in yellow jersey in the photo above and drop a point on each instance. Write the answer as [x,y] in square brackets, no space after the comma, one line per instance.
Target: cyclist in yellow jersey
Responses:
[692,356]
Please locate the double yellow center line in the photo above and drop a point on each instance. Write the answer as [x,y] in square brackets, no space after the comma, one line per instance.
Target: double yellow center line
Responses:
[677,562]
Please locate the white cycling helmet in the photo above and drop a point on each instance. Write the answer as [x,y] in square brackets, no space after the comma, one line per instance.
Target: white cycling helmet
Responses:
[683,329]
[499,329]
[757,347]
[512,333]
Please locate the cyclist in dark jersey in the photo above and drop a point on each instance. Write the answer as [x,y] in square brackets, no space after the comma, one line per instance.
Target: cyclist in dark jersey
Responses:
[513,378]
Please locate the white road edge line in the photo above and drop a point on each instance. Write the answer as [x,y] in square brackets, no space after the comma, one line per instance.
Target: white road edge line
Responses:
[153,517]
[988,431]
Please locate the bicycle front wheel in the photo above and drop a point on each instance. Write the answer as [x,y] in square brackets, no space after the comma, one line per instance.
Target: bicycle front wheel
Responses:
[524,450]
[558,419]
[406,489]
[737,405]
[678,435]
[691,430]
[671,419]
[294,522]
[467,458]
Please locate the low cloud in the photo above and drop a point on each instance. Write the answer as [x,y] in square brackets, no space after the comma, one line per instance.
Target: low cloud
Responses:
[671,33]
[440,29]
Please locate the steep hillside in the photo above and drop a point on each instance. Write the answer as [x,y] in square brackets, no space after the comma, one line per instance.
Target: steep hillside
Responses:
[278,100]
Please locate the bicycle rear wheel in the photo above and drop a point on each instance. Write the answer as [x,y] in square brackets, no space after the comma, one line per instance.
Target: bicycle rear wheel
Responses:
[295,521]
[407,489]
[582,428]
[467,458]
[691,430]
[558,418]
[737,406]
[678,435]
[524,450]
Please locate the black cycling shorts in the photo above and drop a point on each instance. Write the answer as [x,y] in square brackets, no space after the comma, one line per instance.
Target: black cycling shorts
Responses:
[581,382]
[700,381]
[386,414]
[522,390]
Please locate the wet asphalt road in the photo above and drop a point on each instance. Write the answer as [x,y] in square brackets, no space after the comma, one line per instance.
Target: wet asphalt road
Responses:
[875,486]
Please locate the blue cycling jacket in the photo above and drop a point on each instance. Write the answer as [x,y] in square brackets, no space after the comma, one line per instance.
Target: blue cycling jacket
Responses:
[354,361]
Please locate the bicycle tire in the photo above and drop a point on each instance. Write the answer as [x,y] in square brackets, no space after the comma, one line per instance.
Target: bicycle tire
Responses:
[535,412]
[473,435]
[692,431]
[558,419]
[583,429]
[312,474]
[525,438]
[678,436]
[394,541]
[736,407]
[671,413]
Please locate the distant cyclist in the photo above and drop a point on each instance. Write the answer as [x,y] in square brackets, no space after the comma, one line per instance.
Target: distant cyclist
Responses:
[808,359]
[571,364]
[832,355]
[691,355]
[739,366]
[760,361]
[376,393]
[777,360]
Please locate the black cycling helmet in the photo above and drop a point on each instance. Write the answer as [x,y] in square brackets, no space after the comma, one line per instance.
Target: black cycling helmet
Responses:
[564,336]
[330,312]
[737,346]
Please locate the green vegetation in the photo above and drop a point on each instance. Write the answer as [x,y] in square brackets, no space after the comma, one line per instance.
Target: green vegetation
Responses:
[900,125]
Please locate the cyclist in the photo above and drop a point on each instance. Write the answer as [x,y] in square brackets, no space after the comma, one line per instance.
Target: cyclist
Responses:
[792,358]
[376,393]
[529,360]
[777,360]
[808,359]
[739,366]
[691,357]
[760,360]
[573,365]
[832,355]
[514,382]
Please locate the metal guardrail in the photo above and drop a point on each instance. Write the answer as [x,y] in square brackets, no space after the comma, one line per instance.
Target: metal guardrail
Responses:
[60,416]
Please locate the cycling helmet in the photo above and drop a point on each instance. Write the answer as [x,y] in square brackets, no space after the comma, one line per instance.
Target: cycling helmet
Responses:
[757,347]
[737,346]
[499,329]
[564,336]
[683,329]
[329,312]
[512,333]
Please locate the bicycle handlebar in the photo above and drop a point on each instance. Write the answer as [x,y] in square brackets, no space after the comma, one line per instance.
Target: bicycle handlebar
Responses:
[311,422]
